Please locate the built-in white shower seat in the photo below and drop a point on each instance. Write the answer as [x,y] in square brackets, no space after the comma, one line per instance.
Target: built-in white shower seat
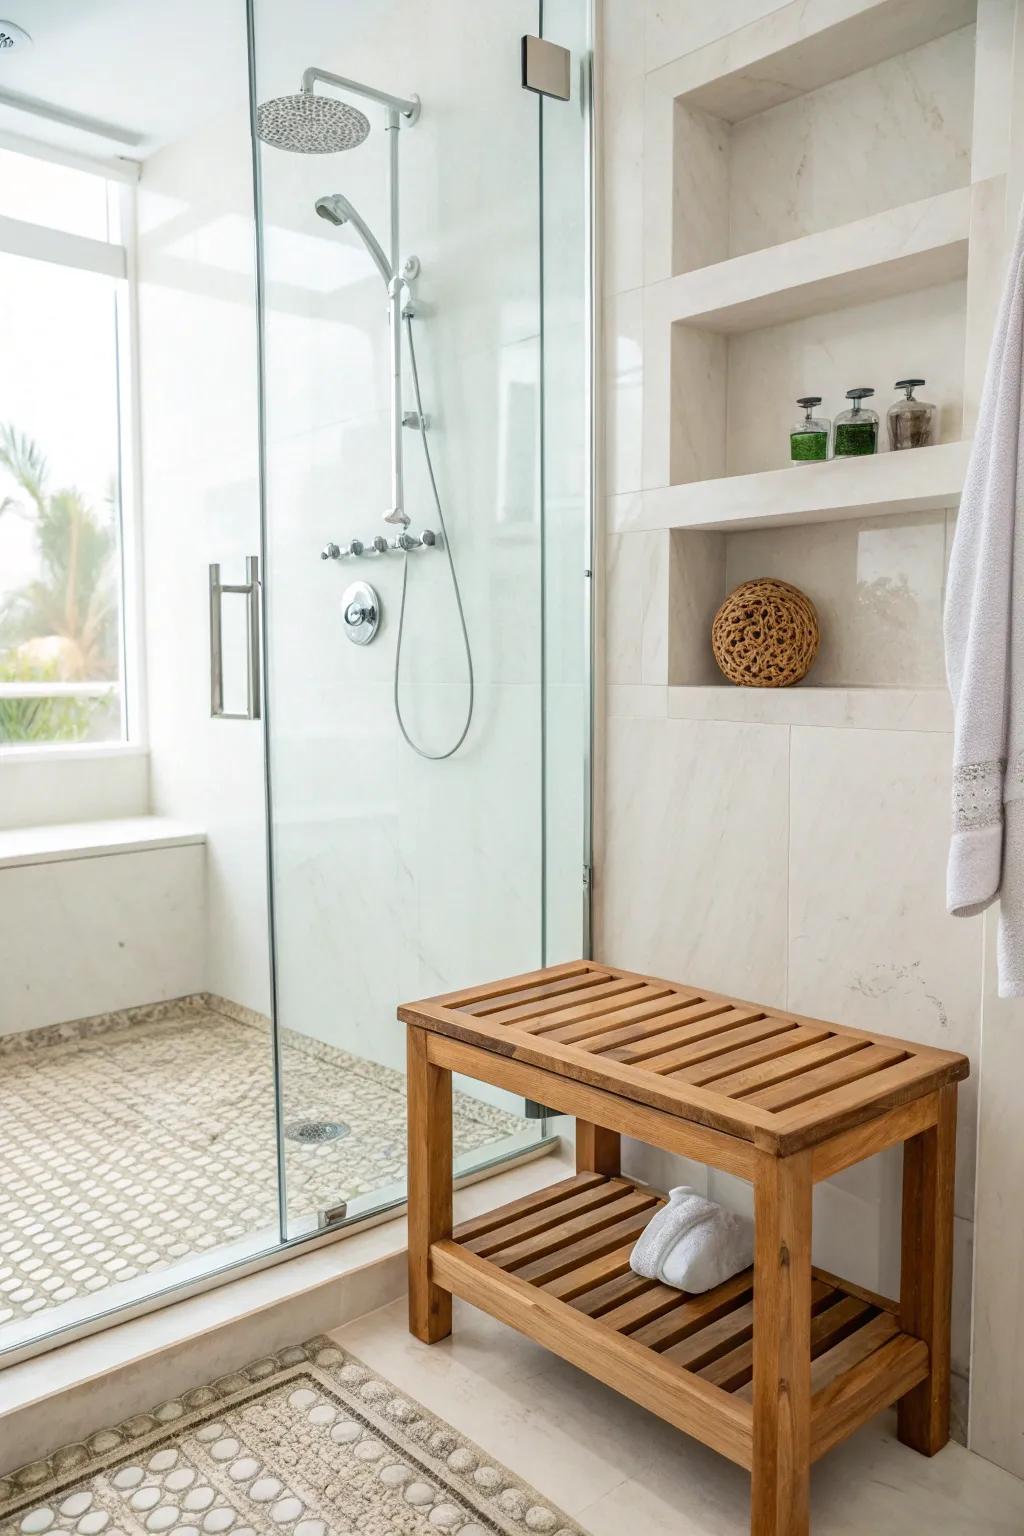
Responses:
[94,839]
[97,916]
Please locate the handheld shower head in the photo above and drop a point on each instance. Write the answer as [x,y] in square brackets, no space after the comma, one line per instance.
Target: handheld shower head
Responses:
[337,210]
[307,124]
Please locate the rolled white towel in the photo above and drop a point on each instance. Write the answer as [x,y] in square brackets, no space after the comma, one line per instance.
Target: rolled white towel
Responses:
[693,1244]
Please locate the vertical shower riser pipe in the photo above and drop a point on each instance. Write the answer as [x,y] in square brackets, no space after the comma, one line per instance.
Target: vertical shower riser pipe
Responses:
[398,513]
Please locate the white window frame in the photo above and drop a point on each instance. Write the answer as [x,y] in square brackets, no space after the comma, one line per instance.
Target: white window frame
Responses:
[40,242]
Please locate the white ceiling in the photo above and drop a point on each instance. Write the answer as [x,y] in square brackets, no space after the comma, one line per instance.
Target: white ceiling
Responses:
[154,68]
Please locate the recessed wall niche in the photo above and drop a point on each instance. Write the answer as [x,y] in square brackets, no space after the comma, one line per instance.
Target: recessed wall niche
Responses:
[821,213]
[733,393]
[876,583]
[886,135]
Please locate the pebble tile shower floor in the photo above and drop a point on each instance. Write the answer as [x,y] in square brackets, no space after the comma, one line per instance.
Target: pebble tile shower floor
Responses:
[133,1140]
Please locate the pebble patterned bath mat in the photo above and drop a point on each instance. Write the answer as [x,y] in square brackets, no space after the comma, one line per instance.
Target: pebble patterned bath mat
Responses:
[309,1442]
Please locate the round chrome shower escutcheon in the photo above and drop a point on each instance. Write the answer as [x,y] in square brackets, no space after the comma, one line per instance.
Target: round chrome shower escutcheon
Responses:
[360,608]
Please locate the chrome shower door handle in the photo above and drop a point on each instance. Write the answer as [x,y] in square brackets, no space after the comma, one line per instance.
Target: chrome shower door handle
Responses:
[250,590]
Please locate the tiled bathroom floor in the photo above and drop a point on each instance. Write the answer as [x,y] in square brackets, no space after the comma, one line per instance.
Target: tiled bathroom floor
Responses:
[614,1468]
[131,1141]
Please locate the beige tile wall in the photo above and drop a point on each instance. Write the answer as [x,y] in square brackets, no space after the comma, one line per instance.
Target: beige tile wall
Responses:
[793,849]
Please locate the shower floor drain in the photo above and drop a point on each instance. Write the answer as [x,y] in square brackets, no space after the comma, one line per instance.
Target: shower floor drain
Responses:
[310,1133]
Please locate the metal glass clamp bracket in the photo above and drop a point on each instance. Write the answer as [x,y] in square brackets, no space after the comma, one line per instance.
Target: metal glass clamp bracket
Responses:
[250,590]
[546,68]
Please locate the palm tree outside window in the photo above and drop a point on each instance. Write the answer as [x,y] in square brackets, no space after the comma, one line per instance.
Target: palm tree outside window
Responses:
[61,651]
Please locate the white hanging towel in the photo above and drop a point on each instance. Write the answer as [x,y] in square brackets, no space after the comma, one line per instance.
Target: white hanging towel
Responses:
[984,632]
[692,1243]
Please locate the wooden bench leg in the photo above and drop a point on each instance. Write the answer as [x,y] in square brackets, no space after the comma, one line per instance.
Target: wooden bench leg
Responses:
[597,1150]
[781,1468]
[926,1278]
[429,1091]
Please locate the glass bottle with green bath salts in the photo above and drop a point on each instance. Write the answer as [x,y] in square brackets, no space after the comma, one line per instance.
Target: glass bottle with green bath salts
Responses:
[808,441]
[856,431]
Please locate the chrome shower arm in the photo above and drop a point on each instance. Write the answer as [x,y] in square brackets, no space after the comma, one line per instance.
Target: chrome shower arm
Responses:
[409,108]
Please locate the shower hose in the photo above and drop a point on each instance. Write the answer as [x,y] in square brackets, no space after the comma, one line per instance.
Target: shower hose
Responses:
[434,757]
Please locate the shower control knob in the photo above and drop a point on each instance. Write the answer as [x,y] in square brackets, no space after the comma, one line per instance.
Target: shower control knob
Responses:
[330,552]
[429,536]
[355,547]
[360,608]
[380,544]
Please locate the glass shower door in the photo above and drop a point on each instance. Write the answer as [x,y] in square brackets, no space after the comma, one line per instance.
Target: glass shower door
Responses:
[399,870]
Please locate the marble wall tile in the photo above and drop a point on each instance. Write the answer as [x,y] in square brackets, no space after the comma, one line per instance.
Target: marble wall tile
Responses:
[636,612]
[624,391]
[698,417]
[658,389]
[848,146]
[986,272]
[870,943]
[565,848]
[877,585]
[90,784]
[658,177]
[997,1364]
[622,145]
[471,845]
[868,344]
[993,85]
[636,701]
[622,513]
[674,29]
[200,501]
[700,189]
[697,585]
[86,936]
[963,1272]
[693,883]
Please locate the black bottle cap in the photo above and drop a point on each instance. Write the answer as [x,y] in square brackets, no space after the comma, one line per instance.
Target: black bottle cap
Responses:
[909,383]
[808,400]
[858,394]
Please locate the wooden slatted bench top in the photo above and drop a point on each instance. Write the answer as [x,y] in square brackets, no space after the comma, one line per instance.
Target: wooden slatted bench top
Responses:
[767,1076]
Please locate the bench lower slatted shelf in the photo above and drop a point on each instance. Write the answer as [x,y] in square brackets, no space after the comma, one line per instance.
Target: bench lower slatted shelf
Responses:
[780,1363]
[570,1245]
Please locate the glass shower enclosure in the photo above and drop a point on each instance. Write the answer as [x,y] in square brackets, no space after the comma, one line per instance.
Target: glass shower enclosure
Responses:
[354,523]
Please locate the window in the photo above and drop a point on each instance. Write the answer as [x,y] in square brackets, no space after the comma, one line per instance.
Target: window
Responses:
[61,651]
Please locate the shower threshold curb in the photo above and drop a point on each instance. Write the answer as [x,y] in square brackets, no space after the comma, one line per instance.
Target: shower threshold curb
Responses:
[60,1396]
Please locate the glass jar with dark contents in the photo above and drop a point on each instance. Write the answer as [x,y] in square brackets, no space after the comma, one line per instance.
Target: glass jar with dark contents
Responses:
[808,440]
[911,422]
[856,430]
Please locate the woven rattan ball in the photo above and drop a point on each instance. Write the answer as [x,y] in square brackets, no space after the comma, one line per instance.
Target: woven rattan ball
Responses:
[765,635]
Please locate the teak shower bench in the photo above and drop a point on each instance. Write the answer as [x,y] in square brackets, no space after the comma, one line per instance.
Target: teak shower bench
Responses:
[777,1365]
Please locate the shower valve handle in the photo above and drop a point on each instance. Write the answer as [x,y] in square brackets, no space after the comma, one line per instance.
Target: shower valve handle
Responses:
[359,613]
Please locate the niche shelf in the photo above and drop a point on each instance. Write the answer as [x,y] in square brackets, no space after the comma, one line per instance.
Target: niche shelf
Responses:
[897,251]
[810,704]
[917,480]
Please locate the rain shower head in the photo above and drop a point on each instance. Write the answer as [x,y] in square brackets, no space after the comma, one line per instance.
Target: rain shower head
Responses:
[337,209]
[307,124]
